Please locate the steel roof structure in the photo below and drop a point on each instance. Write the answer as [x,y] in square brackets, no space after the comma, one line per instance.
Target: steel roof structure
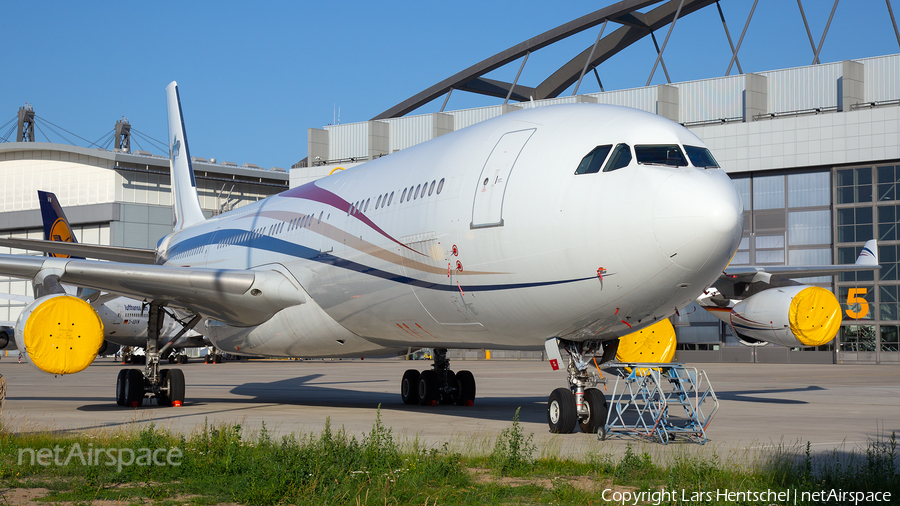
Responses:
[635,25]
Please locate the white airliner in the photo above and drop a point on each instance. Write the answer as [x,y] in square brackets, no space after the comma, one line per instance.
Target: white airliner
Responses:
[576,224]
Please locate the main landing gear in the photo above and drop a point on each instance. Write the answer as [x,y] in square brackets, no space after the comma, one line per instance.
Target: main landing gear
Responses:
[178,358]
[438,385]
[166,385]
[578,405]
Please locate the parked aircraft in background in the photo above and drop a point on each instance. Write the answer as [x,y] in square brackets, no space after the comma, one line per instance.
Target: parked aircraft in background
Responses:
[124,319]
[576,224]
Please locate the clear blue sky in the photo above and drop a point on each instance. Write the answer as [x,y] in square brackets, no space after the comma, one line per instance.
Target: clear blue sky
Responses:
[254,77]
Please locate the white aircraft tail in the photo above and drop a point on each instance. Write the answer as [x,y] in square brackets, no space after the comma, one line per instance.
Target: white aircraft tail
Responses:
[869,254]
[184,187]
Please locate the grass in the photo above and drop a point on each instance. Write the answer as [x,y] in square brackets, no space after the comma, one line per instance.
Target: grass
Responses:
[223,463]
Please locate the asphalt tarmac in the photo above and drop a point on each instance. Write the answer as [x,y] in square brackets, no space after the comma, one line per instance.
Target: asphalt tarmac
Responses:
[761,405]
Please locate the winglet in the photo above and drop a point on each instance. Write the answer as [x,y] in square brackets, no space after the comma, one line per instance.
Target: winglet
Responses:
[184,186]
[869,254]
[56,225]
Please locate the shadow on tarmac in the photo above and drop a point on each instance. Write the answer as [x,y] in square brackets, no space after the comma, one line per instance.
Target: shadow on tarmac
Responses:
[304,391]
[761,395]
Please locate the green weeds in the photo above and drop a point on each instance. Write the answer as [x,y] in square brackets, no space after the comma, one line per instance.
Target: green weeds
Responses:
[223,463]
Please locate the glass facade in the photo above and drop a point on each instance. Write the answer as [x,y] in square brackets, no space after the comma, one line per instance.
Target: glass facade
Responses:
[867,207]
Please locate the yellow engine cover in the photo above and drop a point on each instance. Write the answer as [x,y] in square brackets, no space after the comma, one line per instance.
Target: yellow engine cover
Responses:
[815,316]
[655,343]
[60,333]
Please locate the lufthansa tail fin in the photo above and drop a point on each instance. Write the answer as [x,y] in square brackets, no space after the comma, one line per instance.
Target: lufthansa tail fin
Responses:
[56,225]
[869,254]
[184,187]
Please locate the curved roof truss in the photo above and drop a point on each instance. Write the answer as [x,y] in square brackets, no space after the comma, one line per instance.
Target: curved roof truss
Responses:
[635,26]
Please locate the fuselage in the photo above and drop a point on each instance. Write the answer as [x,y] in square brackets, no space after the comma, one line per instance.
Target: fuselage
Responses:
[485,237]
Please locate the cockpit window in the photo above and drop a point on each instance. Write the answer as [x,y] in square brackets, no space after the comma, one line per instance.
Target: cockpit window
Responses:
[665,154]
[621,157]
[700,157]
[592,161]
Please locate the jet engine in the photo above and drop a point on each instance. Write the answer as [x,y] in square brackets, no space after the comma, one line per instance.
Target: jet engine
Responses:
[59,334]
[791,316]
[7,338]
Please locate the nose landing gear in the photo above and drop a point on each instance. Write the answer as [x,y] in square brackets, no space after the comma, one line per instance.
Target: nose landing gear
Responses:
[438,385]
[577,405]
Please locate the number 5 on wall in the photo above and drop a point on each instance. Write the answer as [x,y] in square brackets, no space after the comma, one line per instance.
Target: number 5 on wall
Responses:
[854,297]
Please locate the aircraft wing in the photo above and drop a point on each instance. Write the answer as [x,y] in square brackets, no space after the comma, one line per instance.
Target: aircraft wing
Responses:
[236,297]
[112,253]
[867,261]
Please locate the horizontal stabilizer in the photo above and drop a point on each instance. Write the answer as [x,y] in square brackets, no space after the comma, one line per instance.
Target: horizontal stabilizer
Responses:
[111,253]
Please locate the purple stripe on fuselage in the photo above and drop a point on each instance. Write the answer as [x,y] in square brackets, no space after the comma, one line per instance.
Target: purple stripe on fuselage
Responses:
[310,191]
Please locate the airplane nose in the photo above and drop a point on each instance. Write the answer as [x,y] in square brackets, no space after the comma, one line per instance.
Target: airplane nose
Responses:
[698,219]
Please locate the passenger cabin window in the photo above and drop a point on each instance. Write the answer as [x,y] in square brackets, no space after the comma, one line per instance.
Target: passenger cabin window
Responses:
[664,154]
[592,161]
[620,158]
[700,157]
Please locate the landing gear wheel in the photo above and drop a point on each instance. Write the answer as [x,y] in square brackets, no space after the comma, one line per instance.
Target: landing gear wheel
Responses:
[173,359]
[409,387]
[134,388]
[182,359]
[428,390]
[207,359]
[171,382]
[561,413]
[466,384]
[596,408]
[218,359]
[120,387]
[451,396]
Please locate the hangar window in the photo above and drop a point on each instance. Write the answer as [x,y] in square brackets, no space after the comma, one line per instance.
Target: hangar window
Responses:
[592,161]
[440,186]
[700,157]
[663,154]
[620,158]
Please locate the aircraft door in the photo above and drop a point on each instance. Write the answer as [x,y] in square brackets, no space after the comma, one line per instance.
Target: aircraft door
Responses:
[487,209]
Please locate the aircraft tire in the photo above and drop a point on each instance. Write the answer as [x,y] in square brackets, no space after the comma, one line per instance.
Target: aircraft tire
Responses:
[207,359]
[561,413]
[450,398]
[597,409]
[409,387]
[134,388]
[173,359]
[182,359]
[173,381]
[428,391]
[218,359]
[465,382]
[120,387]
